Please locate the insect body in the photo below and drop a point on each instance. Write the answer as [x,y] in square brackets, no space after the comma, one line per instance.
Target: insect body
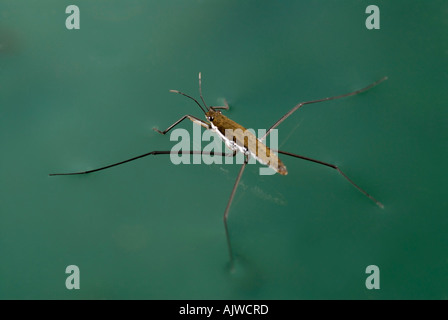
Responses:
[243,141]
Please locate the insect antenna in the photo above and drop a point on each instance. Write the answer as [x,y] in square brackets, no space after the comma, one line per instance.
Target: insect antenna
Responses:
[186,95]
[200,92]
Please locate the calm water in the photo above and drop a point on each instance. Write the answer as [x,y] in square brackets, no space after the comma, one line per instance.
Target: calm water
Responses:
[79,99]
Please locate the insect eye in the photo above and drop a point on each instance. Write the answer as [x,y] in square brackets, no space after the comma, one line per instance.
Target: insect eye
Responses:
[210,118]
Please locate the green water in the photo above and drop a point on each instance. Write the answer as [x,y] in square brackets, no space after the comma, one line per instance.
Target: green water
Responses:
[78,99]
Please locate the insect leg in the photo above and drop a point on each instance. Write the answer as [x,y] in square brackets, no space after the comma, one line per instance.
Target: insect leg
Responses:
[379,204]
[192,118]
[225,106]
[144,155]
[226,212]
[290,112]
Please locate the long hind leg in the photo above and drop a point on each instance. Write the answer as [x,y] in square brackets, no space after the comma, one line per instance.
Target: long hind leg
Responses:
[229,203]
[379,204]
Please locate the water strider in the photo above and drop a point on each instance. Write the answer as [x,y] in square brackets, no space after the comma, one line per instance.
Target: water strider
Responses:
[242,141]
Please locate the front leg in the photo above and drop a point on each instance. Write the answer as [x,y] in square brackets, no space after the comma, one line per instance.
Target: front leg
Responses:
[225,106]
[191,118]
